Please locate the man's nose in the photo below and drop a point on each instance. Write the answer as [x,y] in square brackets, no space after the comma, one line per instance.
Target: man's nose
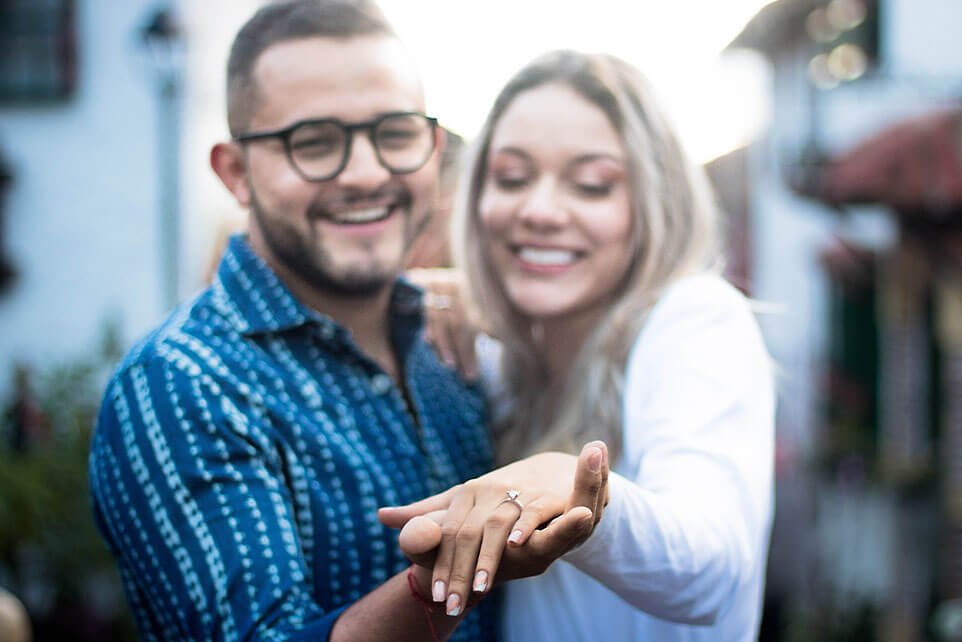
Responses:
[363,169]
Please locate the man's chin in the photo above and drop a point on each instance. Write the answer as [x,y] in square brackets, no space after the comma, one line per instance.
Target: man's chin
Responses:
[359,287]
[354,282]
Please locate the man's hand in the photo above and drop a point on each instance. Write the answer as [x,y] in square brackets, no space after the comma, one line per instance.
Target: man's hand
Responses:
[464,532]
[450,324]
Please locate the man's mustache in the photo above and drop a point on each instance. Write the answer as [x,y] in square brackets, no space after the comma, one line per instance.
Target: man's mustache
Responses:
[330,204]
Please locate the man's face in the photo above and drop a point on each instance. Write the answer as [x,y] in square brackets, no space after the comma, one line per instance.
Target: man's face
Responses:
[349,234]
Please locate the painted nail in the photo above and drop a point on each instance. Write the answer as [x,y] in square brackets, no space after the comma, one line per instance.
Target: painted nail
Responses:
[594,460]
[515,536]
[481,581]
[454,604]
[438,593]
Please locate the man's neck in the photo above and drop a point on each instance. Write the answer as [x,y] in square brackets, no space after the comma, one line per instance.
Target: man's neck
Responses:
[366,317]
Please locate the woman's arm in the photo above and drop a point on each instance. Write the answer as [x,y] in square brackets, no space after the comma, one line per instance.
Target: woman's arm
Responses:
[689,519]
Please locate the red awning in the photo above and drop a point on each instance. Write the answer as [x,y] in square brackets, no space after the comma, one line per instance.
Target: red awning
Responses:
[913,166]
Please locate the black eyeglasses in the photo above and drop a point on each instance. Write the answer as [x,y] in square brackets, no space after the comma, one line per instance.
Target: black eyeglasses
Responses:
[319,149]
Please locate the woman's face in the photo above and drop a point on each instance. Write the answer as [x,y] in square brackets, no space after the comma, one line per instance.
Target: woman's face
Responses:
[555,205]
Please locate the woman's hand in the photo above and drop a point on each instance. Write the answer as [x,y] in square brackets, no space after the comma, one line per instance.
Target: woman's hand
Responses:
[449,325]
[482,535]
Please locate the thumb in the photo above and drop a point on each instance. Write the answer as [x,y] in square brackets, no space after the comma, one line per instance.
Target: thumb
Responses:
[420,538]
[591,475]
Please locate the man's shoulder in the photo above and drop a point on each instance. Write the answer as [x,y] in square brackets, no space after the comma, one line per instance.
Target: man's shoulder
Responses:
[191,334]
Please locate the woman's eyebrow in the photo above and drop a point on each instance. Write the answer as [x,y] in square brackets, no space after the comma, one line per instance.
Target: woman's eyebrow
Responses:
[513,151]
[587,158]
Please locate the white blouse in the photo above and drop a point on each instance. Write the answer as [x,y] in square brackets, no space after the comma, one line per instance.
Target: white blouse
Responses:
[680,552]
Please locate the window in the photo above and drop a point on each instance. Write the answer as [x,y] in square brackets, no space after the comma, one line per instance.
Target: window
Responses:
[37,50]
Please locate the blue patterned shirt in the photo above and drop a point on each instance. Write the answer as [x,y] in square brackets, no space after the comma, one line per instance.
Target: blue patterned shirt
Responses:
[243,448]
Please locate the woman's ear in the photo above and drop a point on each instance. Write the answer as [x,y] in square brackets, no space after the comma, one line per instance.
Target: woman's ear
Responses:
[227,161]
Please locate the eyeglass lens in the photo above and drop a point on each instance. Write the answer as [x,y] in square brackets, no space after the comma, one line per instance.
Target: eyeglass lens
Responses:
[403,143]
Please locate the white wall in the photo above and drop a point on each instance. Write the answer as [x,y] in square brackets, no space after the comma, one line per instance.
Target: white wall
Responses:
[82,213]
[921,38]
[208,206]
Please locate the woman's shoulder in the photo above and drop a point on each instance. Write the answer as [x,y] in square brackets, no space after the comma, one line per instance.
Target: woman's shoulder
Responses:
[695,301]
[699,310]
[703,291]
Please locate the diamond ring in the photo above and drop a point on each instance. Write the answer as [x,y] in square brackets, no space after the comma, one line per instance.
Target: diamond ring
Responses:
[512,498]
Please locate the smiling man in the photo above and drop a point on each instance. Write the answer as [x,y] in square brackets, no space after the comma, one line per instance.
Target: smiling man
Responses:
[243,448]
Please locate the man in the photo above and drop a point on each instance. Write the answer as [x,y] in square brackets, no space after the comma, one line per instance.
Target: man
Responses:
[243,448]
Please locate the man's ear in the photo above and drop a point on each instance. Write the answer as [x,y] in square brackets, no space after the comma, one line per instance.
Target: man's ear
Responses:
[227,161]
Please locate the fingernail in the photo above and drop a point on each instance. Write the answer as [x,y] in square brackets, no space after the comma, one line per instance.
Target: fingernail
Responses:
[481,581]
[454,604]
[438,592]
[515,536]
[594,460]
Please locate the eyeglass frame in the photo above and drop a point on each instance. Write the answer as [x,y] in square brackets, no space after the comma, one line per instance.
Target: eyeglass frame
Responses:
[284,134]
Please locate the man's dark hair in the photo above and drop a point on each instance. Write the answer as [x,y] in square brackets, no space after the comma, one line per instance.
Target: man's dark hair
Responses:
[284,21]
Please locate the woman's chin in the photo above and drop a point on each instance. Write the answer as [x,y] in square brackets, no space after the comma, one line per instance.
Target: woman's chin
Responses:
[542,310]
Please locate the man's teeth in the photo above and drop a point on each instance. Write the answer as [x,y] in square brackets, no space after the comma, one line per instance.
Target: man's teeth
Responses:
[539,256]
[362,216]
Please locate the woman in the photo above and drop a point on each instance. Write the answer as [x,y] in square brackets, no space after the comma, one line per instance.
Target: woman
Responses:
[590,242]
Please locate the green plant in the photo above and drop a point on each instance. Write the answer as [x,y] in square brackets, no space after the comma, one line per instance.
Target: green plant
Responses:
[47,535]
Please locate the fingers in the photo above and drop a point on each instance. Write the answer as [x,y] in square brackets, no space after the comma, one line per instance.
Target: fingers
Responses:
[536,513]
[561,535]
[492,547]
[451,525]
[466,354]
[448,326]
[463,566]
[602,500]
[420,538]
[451,334]
[439,334]
[591,478]
[521,527]
[398,516]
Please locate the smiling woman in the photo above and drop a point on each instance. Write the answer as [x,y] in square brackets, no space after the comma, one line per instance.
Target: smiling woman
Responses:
[590,242]
[557,216]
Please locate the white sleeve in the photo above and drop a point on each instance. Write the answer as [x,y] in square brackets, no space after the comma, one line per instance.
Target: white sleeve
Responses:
[689,522]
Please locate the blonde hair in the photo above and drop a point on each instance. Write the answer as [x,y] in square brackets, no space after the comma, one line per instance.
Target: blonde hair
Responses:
[675,233]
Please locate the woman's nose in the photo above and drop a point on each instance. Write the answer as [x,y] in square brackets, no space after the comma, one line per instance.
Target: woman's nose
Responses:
[543,207]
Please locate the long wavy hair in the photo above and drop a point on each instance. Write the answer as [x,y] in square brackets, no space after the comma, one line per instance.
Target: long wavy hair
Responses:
[675,232]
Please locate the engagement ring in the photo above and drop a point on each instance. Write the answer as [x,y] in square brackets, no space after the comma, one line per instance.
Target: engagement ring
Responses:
[512,497]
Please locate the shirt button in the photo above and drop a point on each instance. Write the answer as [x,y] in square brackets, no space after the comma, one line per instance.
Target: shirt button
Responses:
[381,384]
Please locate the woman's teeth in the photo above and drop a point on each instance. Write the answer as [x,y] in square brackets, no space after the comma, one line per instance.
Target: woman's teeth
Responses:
[540,256]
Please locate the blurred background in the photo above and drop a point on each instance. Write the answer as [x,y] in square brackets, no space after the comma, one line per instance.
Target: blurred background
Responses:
[832,130]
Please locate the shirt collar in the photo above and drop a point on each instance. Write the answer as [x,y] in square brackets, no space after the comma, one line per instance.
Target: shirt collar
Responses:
[264,304]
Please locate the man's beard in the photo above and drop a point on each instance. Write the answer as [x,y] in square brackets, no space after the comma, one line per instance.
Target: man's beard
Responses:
[304,254]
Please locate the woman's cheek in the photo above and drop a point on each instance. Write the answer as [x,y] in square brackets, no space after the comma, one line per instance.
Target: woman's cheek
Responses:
[493,213]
